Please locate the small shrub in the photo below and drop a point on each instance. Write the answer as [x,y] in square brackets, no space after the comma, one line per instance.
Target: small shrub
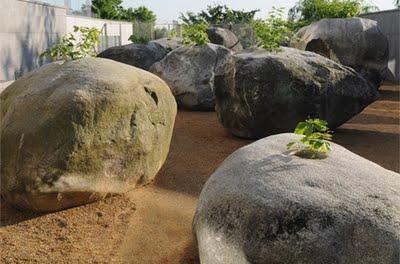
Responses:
[139,39]
[71,48]
[173,33]
[274,31]
[195,34]
[315,142]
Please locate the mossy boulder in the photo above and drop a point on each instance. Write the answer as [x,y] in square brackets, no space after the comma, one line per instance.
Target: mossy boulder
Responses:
[73,132]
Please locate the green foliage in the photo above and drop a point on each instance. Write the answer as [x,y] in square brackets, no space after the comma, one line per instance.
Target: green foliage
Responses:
[195,34]
[316,138]
[142,14]
[314,10]
[72,48]
[396,3]
[112,9]
[274,31]
[218,14]
[173,33]
[107,9]
[139,39]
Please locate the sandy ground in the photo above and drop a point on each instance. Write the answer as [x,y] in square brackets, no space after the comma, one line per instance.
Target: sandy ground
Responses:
[153,224]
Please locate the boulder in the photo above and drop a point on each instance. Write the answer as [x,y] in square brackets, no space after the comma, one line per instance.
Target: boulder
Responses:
[189,71]
[138,55]
[224,37]
[262,93]
[169,43]
[73,132]
[263,205]
[354,42]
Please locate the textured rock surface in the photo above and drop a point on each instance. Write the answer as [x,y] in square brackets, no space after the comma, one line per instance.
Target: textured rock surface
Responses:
[224,37]
[73,132]
[354,42]
[138,55]
[169,43]
[189,71]
[261,93]
[263,205]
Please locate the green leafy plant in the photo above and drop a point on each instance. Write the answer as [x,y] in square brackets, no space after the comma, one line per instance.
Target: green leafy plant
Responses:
[314,10]
[173,33]
[315,140]
[139,39]
[195,34]
[219,14]
[71,48]
[274,31]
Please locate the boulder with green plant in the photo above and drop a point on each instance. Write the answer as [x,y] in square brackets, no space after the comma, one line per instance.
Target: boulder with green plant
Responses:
[265,205]
[74,132]
[261,93]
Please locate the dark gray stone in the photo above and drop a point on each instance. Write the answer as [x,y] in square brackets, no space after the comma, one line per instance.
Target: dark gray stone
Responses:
[138,55]
[261,93]
[263,205]
[224,37]
[189,71]
[354,42]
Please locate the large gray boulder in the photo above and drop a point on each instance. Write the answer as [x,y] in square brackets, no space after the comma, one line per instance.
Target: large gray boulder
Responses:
[138,55]
[261,93]
[354,42]
[76,131]
[169,43]
[189,71]
[263,205]
[224,37]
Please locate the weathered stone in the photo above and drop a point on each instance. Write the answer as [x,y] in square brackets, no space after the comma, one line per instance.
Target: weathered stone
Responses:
[263,205]
[138,55]
[354,42]
[169,43]
[189,71]
[224,37]
[73,132]
[261,93]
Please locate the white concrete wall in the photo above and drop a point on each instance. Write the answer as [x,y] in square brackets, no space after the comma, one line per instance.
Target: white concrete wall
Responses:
[389,23]
[108,27]
[27,29]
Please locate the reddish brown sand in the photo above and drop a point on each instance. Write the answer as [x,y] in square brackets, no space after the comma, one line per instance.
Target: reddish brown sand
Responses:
[153,224]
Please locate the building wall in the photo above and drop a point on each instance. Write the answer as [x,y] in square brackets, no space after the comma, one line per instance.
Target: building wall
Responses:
[108,27]
[389,23]
[27,29]
[30,27]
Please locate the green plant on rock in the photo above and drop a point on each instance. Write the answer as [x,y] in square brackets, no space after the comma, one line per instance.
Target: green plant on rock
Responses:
[72,48]
[274,31]
[315,140]
[195,34]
